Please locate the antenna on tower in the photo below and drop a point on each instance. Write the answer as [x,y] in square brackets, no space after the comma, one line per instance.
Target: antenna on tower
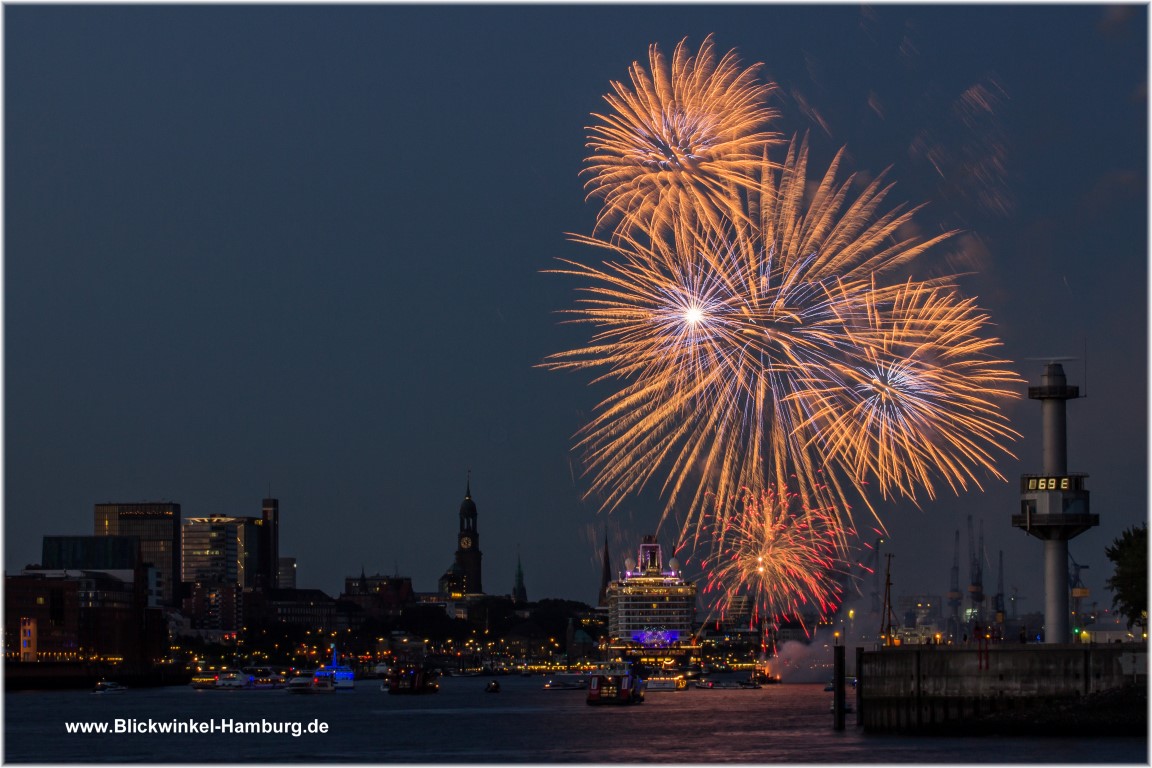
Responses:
[1085,367]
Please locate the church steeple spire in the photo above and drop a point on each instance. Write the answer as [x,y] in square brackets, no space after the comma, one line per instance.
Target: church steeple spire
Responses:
[519,591]
[606,574]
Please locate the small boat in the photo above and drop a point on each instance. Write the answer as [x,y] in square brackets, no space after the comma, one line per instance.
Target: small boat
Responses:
[567,681]
[299,683]
[764,678]
[107,686]
[204,680]
[666,683]
[616,685]
[263,678]
[232,678]
[413,679]
[706,684]
[342,676]
[320,681]
[750,684]
[492,687]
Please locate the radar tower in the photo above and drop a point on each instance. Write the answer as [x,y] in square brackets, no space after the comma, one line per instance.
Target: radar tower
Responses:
[1054,505]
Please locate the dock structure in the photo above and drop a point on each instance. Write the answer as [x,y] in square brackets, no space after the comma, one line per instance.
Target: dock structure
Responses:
[993,688]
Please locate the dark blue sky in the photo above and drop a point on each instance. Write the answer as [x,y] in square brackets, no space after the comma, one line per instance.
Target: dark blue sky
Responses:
[300,250]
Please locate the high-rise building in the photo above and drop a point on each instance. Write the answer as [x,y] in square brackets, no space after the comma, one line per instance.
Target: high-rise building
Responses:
[224,550]
[270,542]
[157,526]
[650,605]
[244,551]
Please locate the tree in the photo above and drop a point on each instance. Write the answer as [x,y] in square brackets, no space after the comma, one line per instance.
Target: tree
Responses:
[1129,582]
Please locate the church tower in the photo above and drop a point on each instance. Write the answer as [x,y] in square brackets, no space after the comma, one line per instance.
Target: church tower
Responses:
[468,554]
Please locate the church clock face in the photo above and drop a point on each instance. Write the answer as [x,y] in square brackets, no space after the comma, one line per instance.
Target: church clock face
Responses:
[465,542]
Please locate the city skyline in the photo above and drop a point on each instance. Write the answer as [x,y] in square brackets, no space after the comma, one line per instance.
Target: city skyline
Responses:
[301,253]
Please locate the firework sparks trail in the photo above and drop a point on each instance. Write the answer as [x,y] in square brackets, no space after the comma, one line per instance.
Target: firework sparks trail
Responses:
[675,142]
[745,313]
[784,559]
[914,399]
[743,350]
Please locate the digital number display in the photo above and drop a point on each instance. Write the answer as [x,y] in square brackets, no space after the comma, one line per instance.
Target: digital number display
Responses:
[1058,483]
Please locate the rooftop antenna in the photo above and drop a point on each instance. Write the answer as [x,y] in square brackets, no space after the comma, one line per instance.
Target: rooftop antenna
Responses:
[886,620]
[1085,367]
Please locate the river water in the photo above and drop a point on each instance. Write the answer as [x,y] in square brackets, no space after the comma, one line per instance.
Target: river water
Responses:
[523,723]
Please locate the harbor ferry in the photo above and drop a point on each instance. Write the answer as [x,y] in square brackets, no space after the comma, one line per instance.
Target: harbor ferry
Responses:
[618,684]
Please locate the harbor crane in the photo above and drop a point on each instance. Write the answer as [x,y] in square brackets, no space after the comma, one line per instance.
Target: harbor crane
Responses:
[976,571]
[874,560]
[998,598]
[955,598]
[1079,592]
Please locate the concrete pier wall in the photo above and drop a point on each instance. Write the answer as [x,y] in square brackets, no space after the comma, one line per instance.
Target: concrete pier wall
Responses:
[922,687]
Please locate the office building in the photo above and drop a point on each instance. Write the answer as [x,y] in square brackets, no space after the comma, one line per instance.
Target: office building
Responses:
[157,526]
[244,551]
[224,550]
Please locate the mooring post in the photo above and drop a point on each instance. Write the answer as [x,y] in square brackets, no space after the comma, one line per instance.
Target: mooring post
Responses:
[838,688]
[859,686]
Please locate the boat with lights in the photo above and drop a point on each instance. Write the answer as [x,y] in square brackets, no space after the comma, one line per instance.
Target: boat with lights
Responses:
[411,674]
[568,681]
[343,678]
[108,686]
[666,682]
[618,684]
[320,681]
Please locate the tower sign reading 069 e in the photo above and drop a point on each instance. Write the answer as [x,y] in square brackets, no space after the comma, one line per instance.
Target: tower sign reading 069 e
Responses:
[1054,505]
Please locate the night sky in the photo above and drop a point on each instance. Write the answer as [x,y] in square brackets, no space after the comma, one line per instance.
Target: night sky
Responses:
[302,251]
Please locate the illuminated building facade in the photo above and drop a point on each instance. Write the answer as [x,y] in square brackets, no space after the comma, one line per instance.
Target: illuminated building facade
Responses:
[157,526]
[286,573]
[233,550]
[215,606]
[80,615]
[650,607]
[220,549]
[379,596]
